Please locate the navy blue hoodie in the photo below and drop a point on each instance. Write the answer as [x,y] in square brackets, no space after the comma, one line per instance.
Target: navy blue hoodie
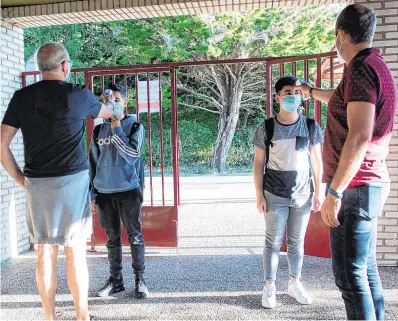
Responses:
[113,156]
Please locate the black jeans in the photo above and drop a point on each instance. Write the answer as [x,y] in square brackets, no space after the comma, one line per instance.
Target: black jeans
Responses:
[124,207]
[353,246]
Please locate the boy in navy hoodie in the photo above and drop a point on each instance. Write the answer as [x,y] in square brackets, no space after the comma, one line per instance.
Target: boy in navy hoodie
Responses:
[116,191]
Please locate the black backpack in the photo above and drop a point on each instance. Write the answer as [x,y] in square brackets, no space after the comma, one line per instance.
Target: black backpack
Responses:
[269,129]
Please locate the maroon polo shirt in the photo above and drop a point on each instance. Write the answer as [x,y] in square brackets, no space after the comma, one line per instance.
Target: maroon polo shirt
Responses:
[366,79]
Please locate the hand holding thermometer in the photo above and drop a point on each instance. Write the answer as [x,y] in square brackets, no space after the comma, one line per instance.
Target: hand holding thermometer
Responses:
[301,82]
[108,94]
[109,99]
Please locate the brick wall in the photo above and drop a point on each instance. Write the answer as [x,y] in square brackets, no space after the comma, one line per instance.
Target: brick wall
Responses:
[14,236]
[386,39]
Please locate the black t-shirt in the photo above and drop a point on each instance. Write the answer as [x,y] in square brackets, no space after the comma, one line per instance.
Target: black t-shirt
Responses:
[51,115]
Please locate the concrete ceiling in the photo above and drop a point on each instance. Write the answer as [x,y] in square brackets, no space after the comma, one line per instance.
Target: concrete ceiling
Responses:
[16,3]
[55,12]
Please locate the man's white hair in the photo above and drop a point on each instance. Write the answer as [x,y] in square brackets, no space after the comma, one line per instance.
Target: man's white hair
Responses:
[50,56]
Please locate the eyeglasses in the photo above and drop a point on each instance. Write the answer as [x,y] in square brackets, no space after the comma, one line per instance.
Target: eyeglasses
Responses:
[68,61]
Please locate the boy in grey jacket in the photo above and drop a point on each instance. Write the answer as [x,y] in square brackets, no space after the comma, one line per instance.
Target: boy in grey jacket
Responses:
[116,190]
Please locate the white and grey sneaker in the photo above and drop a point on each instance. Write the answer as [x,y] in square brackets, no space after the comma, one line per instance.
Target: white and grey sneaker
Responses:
[268,300]
[296,290]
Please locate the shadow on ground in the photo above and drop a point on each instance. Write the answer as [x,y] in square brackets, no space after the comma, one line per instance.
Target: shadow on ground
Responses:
[188,287]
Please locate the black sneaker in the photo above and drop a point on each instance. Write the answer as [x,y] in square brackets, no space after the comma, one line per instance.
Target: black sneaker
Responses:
[111,286]
[141,290]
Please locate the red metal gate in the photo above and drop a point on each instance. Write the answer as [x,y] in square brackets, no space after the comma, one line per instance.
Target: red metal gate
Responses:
[160,214]
[320,70]
[161,195]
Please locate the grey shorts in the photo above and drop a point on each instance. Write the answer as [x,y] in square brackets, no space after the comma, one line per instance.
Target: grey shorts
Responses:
[58,209]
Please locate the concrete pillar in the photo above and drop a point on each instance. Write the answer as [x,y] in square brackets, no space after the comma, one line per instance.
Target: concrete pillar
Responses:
[14,236]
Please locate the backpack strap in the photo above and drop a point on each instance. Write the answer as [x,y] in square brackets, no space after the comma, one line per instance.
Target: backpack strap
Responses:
[269,130]
[96,132]
[134,127]
[139,165]
[311,130]
[311,134]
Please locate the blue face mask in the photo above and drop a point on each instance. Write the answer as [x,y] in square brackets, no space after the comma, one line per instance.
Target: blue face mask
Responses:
[290,103]
[118,108]
[299,100]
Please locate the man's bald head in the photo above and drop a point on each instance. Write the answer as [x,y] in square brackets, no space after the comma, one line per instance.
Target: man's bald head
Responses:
[50,56]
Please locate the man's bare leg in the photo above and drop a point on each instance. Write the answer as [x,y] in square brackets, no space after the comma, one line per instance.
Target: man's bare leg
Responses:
[46,277]
[77,275]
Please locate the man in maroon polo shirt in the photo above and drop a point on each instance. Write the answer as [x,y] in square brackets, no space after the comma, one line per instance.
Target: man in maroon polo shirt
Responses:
[359,128]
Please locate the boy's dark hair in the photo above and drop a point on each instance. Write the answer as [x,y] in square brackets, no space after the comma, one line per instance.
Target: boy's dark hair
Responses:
[119,88]
[358,21]
[284,81]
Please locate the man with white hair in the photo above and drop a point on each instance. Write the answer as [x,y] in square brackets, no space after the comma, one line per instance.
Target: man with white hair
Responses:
[51,115]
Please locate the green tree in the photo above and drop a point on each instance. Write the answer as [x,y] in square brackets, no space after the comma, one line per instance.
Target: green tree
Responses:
[225,91]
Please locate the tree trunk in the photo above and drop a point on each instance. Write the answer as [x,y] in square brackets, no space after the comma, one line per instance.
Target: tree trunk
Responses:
[245,119]
[226,131]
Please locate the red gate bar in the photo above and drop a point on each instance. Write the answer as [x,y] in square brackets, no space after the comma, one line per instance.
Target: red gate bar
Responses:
[177,146]
[282,69]
[268,89]
[128,71]
[306,76]
[174,132]
[89,121]
[24,80]
[161,137]
[275,61]
[318,84]
[89,130]
[149,136]
[125,83]
[136,96]
[115,69]
[177,141]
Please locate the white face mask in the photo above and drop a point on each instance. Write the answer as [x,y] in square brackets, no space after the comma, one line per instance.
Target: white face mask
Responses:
[339,57]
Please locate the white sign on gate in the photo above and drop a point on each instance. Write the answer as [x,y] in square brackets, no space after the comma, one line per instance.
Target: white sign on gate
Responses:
[31,65]
[154,103]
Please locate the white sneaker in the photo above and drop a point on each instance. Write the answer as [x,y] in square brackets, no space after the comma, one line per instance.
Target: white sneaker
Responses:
[297,291]
[269,296]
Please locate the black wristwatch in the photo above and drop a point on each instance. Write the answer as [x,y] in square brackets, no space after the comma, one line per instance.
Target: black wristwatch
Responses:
[310,92]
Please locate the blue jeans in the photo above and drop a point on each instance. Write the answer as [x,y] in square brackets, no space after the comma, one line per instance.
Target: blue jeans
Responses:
[353,246]
[284,213]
